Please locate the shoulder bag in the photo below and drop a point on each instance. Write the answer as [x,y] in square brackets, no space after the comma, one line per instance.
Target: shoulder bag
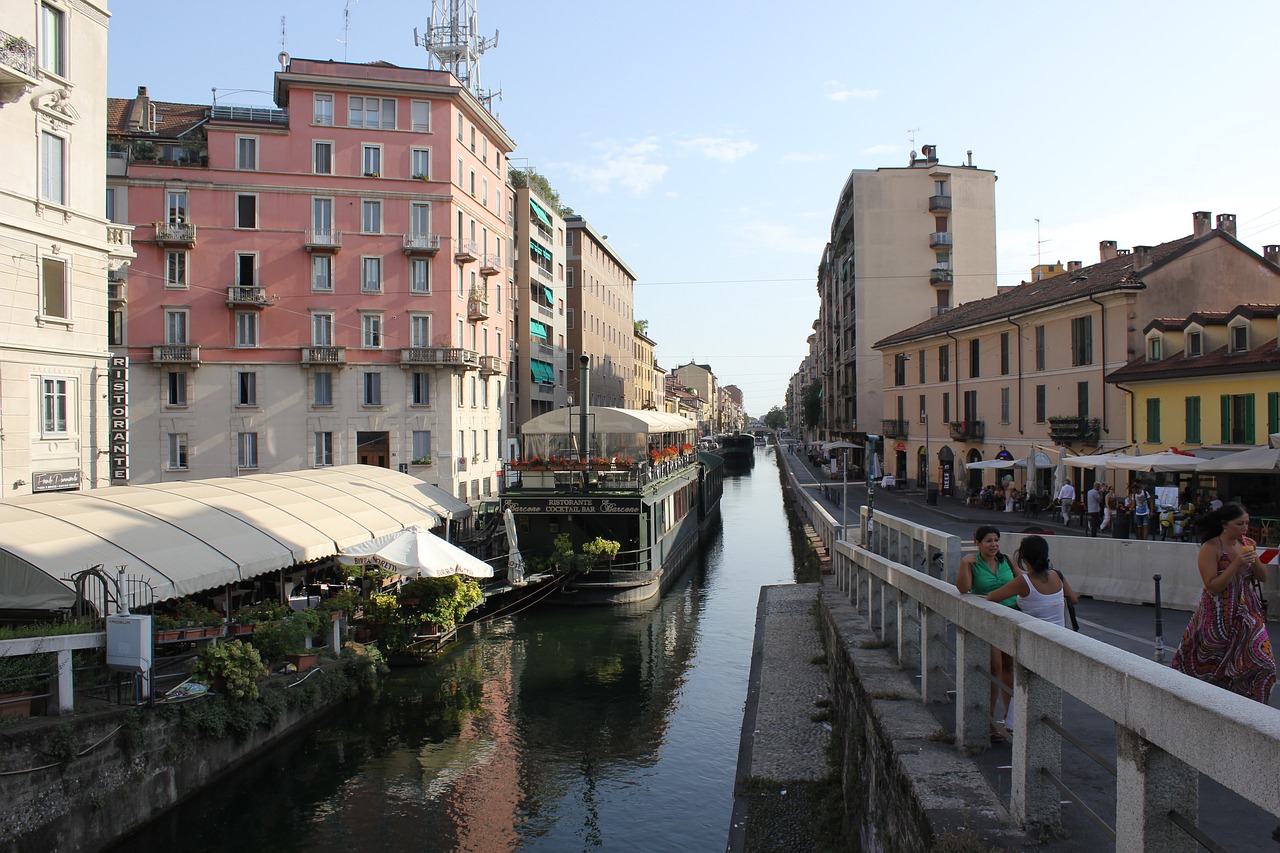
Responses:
[1071,607]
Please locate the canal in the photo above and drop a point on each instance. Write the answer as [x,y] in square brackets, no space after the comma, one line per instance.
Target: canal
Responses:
[550,730]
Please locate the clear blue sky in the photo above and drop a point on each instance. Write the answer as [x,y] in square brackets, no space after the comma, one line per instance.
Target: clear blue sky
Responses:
[709,140]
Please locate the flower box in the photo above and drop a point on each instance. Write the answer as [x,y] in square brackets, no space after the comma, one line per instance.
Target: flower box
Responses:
[303,661]
[241,630]
[168,636]
[214,631]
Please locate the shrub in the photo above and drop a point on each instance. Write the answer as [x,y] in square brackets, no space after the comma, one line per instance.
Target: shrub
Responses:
[236,664]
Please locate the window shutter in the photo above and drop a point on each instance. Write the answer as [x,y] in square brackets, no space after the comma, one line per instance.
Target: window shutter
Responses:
[1273,412]
[1226,418]
[1248,419]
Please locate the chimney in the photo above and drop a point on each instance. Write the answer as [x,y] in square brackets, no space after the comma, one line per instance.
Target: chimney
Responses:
[1200,223]
[929,152]
[1140,256]
[1272,254]
[140,112]
[1107,249]
[1074,266]
[1227,223]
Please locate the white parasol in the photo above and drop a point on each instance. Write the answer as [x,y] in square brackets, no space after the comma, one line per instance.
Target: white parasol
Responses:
[417,551]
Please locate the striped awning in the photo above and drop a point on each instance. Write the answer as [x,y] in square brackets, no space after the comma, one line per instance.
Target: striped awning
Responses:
[542,372]
[540,212]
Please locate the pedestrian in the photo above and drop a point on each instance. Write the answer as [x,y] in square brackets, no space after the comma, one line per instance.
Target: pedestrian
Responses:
[1010,494]
[1226,642]
[1141,509]
[1043,591]
[1108,506]
[1066,497]
[981,574]
[1093,507]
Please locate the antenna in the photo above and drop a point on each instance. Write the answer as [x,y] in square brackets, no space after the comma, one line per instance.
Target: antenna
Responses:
[346,26]
[911,136]
[453,45]
[1039,242]
[283,45]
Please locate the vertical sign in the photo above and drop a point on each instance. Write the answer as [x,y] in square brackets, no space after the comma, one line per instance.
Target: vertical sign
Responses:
[118,409]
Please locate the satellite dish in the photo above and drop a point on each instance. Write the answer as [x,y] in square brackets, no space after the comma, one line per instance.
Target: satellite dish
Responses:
[284,60]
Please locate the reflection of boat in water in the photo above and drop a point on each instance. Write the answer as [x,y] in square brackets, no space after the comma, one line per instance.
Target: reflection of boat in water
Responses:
[625,475]
[738,449]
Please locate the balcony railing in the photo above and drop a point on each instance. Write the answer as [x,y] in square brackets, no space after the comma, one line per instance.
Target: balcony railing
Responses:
[490,365]
[1071,429]
[120,241]
[322,241]
[477,306]
[117,290]
[248,295]
[939,202]
[968,430]
[176,232]
[17,54]
[421,244]
[893,429]
[940,275]
[466,253]
[255,115]
[490,265]
[324,355]
[442,356]
[544,310]
[938,239]
[176,354]
[543,273]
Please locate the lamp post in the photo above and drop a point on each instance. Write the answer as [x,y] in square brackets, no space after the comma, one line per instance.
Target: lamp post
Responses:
[844,497]
[869,467]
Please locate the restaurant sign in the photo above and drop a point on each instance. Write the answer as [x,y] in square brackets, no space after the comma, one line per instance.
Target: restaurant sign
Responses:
[118,416]
[55,481]
[573,506]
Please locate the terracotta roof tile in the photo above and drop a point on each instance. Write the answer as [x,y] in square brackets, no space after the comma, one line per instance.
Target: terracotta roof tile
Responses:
[173,120]
[1260,359]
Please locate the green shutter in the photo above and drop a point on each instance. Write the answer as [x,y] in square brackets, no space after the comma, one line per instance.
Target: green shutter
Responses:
[1273,412]
[1248,419]
[1153,420]
[1193,420]
[1226,418]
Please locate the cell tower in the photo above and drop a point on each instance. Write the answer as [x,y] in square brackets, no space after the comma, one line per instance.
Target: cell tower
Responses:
[454,45]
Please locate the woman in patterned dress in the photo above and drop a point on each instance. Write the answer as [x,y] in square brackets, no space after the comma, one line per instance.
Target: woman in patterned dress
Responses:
[1226,642]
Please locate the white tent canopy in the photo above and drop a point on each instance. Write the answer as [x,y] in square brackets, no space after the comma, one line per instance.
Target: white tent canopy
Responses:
[418,552]
[1257,460]
[186,537]
[567,421]
[1097,460]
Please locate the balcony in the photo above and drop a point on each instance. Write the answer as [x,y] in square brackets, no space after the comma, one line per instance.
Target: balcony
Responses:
[176,354]
[175,234]
[940,275]
[322,241]
[439,356]
[968,430]
[466,252]
[477,306]
[939,202]
[543,273]
[324,355]
[939,239]
[120,242]
[246,295]
[1071,429]
[893,429]
[544,310]
[117,289]
[490,265]
[421,244]
[249,115]
[490,365]
[18,71]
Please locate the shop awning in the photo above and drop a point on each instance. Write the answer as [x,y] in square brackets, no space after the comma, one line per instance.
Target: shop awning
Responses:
[539,330]
[540,212]
[541,371]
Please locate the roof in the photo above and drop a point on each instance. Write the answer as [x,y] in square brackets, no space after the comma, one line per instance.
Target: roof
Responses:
[607,420]
[188,536]
[173,120]
[1248,310]
[1260,359]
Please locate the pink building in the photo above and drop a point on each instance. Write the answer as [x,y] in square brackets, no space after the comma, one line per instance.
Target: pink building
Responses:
[316,284]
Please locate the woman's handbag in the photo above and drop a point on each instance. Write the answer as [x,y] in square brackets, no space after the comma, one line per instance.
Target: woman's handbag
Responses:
[1071,608]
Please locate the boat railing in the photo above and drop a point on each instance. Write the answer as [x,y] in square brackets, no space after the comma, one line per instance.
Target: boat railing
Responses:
[557,472]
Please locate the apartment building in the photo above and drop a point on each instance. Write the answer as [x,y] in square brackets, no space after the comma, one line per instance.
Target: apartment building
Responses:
[923,236]
[600,290]
[648,378]
[318,283]
[733,412]
[701,381]
[538,374]
[1031,365]
[63,415]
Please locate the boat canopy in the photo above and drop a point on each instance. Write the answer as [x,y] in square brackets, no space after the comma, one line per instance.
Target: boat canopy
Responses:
[615,433]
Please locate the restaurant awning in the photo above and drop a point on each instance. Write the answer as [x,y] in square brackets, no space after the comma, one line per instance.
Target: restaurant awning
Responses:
[542,372]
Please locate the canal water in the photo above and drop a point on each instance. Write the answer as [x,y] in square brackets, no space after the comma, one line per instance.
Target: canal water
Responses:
[550,730]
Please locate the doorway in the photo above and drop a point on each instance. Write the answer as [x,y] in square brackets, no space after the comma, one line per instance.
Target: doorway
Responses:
[374,448]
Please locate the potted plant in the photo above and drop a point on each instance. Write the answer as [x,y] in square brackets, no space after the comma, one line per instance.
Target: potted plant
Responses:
[602,549]
[21,678]
[438,604]
[421,460]
[233,667]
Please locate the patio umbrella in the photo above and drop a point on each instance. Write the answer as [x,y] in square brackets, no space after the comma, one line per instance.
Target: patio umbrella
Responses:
[990,463]
[417,551]
[1258,460]
[1098,460]
[515,562]
[1164,461]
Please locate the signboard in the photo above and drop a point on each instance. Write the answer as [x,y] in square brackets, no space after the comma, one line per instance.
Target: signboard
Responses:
[900,446]
[573,506]
[118,416]
[55,481]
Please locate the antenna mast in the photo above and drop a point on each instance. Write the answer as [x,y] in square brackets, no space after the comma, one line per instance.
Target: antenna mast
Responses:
[453,44]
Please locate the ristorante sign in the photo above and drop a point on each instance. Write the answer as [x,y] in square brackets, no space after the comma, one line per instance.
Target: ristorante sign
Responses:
[573,506]
[118,413]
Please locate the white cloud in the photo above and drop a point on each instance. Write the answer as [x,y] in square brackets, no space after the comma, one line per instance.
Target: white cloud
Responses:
[629,166]
[720,148]
[839,92]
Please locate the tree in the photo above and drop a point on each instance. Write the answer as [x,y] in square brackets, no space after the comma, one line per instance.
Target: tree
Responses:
[811,405]
[776,418]
[642,327]
[541,187]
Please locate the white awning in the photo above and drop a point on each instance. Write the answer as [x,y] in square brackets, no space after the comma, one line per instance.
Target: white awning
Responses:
[602,419]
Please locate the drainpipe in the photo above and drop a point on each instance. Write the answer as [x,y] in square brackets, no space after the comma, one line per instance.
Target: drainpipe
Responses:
[1102,330]
[955,372]
[1133,416]
[1019,328]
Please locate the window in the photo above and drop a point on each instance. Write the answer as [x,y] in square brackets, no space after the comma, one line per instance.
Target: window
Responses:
[420,330]
[1039,347]
[175,326]
[1155,348]
[53,409]
[115,327]
[371,157]
[944,362]
[322,218]
[247,450]
[419,219]
[946,406]
[422,389]
[177,451]
[1153,420]
[322,109]
[420,163]
[372,389]
[919,361]
[460,171]
[1240,338]
[322,273]
[923,408]
[322,389]
[247,388]
[459,127]
[473,392]
[1004,405]
[53,40]
[371,112]
[1082,399]
[323,449]
[371,331]
[371,216]
[322,158]
[1195,345]
[54,298]
[421,443]
[175,269]
[177,388]
[246,211]
[176,207]
[1004,353]
[484,191]
[322,330]
[1081,341]
[473,139]
[53,168]
[461,402]
[971,406]
[420,116]
[974,351]
[1193,420]
[1237,418]
[1041,404]
[371,275]
[247,152]
[900,369]
[1273,412]
[111,204]
[246,329]
[420,276]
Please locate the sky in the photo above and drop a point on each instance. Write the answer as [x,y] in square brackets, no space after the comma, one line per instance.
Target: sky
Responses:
[709,140]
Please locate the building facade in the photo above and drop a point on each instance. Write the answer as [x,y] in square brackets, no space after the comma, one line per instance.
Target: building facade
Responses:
[323,282]
[539,375]
[60,402]
[647,383]
[601,320]
[701,381]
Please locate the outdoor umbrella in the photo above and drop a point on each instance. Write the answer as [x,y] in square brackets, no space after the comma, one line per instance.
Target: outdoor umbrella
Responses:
[515,562]
[991,463]
[417,551]
[1258,460]
[1164,461]
[1097,460]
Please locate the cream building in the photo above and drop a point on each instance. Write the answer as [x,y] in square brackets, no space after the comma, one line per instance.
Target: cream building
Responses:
[61,410]
[539,373]
[647,377]
[601,320]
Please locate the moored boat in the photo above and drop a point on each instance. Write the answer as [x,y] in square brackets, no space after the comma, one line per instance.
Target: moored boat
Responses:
[738,449]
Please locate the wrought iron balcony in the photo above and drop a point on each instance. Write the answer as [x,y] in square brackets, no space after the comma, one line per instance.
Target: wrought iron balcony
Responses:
[1072,429]
[466,253]
[176,354]
[968,430]
[322,241]
[490,365]
[940,275]
[477,306]
[893,429]
[939,202]
[324,355]
[421,244]
[490,265]
[176,233]
[17,67]
[247,295]
[939,239]
[441,356]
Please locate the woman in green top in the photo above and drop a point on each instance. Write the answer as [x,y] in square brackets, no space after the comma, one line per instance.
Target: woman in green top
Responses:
[980,574]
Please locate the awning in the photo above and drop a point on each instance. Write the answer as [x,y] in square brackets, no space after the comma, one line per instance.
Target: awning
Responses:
[539,251]
[540,212]
[542,372]
[550,297]
[539,330]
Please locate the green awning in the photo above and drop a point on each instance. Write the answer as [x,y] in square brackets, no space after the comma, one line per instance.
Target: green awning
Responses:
[542,372]
[540,212]
[551,298]
[539,330]
[538,250]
